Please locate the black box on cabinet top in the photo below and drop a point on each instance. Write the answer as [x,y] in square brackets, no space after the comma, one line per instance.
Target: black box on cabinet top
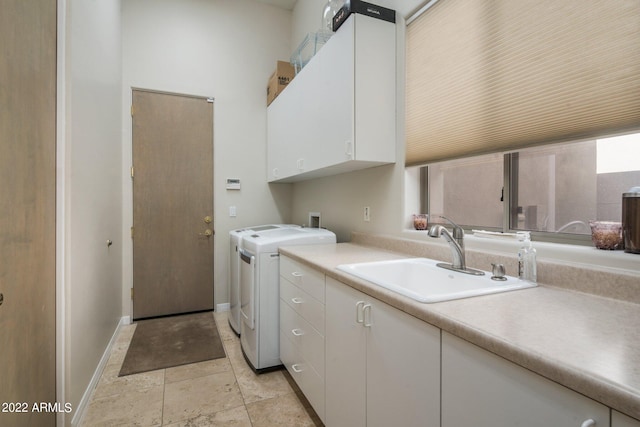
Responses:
[363,8]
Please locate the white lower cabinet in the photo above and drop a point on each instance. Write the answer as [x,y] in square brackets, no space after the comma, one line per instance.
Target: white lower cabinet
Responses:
[302,329]
[621,420]
[481,389]
[382,365]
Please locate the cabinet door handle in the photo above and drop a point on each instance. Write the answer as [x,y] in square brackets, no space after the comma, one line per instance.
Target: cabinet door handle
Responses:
[348,148]
[296,368]
[366,316]
[297,332]
[359,313]
[275,172]
[588,423]
[296,274]
[296,300]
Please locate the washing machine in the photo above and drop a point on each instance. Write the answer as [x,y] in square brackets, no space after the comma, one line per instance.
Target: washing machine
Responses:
[260,290]
[235,243]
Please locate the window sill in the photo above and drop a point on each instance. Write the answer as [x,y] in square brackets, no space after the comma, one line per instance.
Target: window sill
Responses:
[567,254]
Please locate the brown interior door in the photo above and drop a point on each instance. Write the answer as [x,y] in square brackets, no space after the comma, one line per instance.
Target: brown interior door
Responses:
[27,211]
[172,204]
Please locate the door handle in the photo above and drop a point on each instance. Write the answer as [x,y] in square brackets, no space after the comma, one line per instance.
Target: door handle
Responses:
[207,233]
[366,316]
[359,312]
[348,148]
[207,219]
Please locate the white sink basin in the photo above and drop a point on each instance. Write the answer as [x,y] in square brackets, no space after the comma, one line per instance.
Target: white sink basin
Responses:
[421,280]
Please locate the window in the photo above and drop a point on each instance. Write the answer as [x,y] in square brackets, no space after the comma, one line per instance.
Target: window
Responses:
[506,104]
[469,191]
[553,189]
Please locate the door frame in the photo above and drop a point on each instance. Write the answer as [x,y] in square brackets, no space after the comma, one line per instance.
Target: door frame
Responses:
[61,201]
[127,193]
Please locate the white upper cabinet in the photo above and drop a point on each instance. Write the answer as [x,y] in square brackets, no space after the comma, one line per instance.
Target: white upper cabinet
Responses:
[339,113]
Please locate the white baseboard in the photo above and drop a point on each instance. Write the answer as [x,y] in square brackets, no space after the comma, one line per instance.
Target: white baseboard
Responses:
[86,397]
[223,307]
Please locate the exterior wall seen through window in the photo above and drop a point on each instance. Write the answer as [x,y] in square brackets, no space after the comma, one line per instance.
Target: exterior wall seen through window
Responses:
[554,188]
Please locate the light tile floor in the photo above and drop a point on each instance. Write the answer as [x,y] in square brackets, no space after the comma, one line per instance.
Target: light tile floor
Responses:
[220,392]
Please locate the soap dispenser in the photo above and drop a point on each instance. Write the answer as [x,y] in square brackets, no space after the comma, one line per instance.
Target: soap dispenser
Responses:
[527,261]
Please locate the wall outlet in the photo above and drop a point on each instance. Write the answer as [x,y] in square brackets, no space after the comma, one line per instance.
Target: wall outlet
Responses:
[367,213]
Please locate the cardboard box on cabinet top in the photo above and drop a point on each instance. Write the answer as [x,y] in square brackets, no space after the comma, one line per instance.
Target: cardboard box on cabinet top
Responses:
[280,78]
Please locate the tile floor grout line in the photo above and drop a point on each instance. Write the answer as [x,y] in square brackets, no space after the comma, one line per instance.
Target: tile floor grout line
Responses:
[244,401]
[164,391]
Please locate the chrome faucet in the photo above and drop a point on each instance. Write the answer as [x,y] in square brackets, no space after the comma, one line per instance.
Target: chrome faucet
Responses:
[456,243]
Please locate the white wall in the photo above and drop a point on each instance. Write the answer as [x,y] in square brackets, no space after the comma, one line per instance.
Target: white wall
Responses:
[226,49]
[307,18]
[341,199]
[92,195]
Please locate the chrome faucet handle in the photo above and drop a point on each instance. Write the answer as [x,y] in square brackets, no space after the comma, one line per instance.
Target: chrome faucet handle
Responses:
[458,232]
[498,272]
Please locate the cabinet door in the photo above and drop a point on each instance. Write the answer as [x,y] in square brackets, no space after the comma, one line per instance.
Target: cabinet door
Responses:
[375,92]
[345,347]
[621,420]
[481,389]
[329,92]
[403,369]
[281,157]
[310,121]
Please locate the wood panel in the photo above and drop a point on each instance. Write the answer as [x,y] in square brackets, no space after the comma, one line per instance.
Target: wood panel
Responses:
[172,194]
[27,209]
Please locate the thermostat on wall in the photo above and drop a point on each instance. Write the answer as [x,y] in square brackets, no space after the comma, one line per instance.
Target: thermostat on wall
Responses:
[233,184]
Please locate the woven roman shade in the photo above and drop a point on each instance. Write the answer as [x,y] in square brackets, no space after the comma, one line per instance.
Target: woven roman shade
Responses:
[494,75]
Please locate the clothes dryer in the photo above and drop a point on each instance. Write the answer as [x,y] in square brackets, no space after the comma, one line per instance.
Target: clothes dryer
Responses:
[260,290]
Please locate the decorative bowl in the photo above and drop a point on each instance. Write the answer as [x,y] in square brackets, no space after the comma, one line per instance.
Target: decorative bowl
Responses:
[606,234]
[420,221]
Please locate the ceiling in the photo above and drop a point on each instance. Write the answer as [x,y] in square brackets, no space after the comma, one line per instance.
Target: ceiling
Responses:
[404,8]
[285,4]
